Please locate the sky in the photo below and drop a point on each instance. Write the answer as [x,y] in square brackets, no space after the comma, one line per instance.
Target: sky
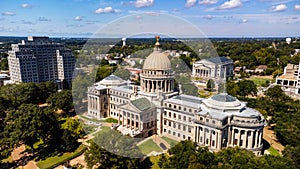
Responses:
[214,18]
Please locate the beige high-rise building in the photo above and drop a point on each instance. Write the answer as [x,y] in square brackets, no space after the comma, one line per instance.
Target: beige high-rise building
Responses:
[38,60]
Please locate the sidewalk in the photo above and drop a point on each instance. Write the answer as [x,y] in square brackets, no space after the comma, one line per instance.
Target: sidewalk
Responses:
[17,154]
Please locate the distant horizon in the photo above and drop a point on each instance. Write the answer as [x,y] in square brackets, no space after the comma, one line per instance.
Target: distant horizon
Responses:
[149,37]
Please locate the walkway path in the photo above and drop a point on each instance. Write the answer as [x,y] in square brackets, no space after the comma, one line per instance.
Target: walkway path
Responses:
[270,137]
[19,153]
[158,140]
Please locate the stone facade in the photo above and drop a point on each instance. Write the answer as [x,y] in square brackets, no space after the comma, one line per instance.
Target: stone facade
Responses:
[213,68]
[155,108]
[290,80]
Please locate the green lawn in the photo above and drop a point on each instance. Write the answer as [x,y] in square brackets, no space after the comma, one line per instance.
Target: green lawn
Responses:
[90,119]
[170,141]
[149,146]
[259,81]
[103,129]
[55,161]
[273,151]
[111,120]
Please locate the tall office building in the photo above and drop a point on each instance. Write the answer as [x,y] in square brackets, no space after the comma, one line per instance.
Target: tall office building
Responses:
[38,60]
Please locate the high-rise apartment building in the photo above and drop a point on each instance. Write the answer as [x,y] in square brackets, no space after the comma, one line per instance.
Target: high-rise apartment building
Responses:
[38,60]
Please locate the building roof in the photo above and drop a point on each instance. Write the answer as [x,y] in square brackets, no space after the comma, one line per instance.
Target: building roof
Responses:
[190,101]
[142,103]
[223,97]
[112,80]
[218,59]
[157,61]
[223,101]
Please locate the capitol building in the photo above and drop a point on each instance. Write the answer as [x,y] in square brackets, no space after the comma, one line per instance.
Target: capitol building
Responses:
[154,107]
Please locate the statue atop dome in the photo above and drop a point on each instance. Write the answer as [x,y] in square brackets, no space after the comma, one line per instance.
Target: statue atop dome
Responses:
[157,42]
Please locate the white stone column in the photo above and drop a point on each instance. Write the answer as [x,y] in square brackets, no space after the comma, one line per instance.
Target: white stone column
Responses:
[245,138]
[152,87]
[260,138]
[239,137]
[123,122]
[232,136]
[219,144]
[250,140]
[255,141]
[195,134]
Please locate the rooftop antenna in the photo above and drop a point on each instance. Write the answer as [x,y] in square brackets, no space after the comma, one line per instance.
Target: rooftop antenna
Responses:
[157,42]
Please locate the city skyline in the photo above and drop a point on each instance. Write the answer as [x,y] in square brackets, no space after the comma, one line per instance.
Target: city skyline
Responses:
[215,18]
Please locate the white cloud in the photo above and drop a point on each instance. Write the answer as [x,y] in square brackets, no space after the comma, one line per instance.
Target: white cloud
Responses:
[244,21]
[26,6]
[208,2]
[28,22]
[78,18]
[190,3]
[108,9]
[297,7]
[8,13]
[143,3]
[43,19]
[231,4]
[279,8]
[209,17]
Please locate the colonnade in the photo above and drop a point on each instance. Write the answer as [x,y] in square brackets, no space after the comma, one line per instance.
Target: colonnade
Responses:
[153,86]
[129,120]
[245,138]
[202,72]
[93,102]
[208,137]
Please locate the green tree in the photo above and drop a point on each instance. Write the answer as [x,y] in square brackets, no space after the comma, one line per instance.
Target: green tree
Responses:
[103,72]
[26,125]
[47,88]
[276,94]
[247,87]
[61,100]
[232,88]
[122,73]
[18,94]
[210,85]
[74,127]
[4,64]
[98,157]
[293,153]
